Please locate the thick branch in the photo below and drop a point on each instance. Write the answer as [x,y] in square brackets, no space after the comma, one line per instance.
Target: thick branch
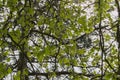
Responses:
[118,34]
[60,73]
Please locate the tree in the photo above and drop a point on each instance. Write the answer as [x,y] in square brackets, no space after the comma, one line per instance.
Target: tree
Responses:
[59,39]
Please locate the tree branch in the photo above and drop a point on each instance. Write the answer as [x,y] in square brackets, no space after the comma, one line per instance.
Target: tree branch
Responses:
[60,73]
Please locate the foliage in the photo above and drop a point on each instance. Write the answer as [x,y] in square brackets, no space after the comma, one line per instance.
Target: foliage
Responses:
[59,39]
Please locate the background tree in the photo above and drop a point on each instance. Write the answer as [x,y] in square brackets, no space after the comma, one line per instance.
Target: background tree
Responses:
[59,39]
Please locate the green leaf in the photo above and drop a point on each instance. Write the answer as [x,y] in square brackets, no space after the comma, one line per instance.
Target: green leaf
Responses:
[82,20]
[110,75]
[12,4]
[21,21]
[31,11]
[107,37]
[8,59]
[81,51]
[3,71]
[9,70]
[17,76]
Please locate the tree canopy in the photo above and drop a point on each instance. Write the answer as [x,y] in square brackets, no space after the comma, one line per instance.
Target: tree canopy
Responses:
[59,39]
